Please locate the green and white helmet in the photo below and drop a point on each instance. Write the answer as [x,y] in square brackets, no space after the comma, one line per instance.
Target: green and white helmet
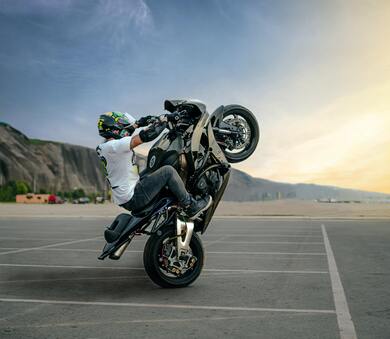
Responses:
[115,125]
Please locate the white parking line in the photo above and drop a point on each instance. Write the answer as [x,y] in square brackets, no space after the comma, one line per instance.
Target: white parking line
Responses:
[140,321]
[208,252]
[48,246]
[265,271]
[346,326]
[211,242]
[243,235]
[141,269]
[165,306]
[74,266]
[266,235]
[25,281]
[35,239]
[268,242]
[271,253]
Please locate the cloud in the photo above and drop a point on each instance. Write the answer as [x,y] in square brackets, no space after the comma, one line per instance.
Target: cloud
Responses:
[121,13]
[118,14]
[346,144]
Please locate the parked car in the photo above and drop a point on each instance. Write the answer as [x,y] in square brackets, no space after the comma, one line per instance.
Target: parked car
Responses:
[99,200]
[54,199]
[84,200]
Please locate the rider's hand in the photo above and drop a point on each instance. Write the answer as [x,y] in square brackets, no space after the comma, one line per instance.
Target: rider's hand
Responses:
[163,118]
[152,132]
[145,121]
[172,117]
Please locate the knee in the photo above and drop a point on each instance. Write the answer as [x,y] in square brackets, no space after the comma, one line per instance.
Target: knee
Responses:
[168,170]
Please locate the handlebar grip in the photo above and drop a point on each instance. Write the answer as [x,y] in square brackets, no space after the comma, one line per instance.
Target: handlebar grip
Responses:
[173,117]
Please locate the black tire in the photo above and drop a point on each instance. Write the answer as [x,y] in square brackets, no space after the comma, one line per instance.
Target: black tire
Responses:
[255,133]
[152,266]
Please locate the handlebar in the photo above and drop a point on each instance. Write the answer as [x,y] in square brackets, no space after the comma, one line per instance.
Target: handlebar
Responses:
[169,119]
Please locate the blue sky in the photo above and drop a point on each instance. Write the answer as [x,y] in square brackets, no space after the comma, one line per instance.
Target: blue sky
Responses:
[62,63]
[66,61]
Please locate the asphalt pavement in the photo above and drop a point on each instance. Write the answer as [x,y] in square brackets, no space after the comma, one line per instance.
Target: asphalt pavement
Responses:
[263,278]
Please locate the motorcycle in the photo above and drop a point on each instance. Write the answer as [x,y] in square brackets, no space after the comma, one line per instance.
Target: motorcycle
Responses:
[200,147]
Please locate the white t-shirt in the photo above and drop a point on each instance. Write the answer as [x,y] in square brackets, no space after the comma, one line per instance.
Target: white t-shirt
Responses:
[121,172]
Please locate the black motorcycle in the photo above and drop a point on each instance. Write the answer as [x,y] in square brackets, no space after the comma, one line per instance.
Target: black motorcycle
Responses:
[200,146]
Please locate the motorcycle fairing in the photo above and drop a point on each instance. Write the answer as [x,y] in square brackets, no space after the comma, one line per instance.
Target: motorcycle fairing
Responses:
[164,152]
[201,227]
[172,105]
[217,116]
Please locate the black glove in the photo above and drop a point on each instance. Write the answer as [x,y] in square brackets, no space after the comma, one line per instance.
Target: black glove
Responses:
[173,117]
[152,132]
[130,129]
[145,121]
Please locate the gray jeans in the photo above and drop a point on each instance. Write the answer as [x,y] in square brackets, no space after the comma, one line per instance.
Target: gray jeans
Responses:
[151,184]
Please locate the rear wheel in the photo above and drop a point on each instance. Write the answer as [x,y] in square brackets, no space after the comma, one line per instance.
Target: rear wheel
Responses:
[240,119]
[162,265]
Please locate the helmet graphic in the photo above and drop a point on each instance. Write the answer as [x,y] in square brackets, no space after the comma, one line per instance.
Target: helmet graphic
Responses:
[114,125]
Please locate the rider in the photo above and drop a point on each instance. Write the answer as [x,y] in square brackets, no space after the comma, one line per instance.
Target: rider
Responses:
[116,152]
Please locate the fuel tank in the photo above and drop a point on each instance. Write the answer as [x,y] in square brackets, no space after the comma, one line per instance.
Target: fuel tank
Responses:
[165,151]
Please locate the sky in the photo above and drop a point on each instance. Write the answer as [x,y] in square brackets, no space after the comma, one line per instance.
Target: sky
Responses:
[315,73]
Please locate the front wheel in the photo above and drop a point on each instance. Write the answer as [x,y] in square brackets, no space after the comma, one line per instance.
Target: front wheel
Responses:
[163,266]
[241,120]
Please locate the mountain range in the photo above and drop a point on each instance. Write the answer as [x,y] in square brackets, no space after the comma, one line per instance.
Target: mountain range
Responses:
[56,166]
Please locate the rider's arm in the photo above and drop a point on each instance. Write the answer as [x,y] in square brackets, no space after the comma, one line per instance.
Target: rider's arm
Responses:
[147,134]
[135,141]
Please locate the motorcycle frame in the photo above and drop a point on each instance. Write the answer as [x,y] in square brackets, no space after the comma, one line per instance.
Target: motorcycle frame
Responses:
[205,124]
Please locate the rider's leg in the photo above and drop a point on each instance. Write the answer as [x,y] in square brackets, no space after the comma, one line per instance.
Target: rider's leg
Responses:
[151,184]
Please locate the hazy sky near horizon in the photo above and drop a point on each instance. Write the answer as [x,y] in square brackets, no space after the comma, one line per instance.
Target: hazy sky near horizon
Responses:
[316,74]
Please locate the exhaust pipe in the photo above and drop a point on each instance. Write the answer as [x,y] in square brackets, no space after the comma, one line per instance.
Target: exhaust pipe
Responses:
[118,253]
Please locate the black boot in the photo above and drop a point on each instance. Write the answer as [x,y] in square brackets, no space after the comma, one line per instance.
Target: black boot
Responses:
[197,206]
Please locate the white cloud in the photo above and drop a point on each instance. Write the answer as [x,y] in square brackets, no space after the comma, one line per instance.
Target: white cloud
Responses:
[344,144]
[122,13]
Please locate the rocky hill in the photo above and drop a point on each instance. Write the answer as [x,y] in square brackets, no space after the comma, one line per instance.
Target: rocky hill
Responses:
[62,167]
[48,165]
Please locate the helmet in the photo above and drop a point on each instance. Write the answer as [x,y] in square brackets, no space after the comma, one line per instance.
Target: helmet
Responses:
[114,125]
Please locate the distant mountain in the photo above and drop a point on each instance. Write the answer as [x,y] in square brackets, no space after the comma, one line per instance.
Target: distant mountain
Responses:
[243,187]
[58,166]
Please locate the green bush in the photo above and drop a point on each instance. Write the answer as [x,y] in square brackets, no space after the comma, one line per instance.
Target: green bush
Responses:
[78,193]
[10,189]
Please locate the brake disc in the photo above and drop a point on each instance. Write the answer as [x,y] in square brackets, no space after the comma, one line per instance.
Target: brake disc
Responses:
[244,132]
[174,265]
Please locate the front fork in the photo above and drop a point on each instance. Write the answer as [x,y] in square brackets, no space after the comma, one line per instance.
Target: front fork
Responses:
[184,230]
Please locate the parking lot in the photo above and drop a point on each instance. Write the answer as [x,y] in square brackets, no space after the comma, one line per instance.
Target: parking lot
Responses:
[263,278]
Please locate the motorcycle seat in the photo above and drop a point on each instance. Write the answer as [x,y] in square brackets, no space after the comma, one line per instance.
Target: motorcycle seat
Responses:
[148,208]
[152,205]
[114,231]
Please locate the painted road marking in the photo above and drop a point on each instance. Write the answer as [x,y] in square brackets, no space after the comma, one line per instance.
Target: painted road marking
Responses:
[135,321]
[266,242]
[208,252]
[346,326]
[48,246]
[227,217]
[141,268]
[174,306]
